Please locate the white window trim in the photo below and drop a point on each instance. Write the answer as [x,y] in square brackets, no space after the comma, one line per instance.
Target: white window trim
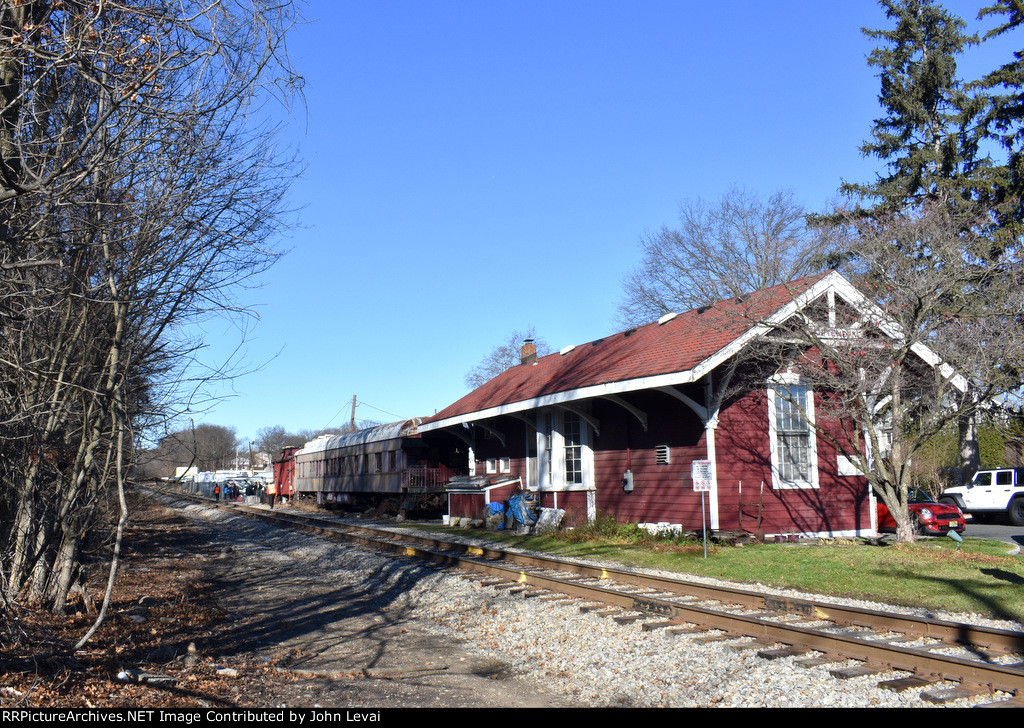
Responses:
[812,447]
[556,480]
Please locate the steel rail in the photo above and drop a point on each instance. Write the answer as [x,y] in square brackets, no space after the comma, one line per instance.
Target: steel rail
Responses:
[954,633]
[876,651]
[663,594]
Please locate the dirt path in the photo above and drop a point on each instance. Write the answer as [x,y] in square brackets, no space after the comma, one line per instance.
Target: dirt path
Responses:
[338,646]
[229,615]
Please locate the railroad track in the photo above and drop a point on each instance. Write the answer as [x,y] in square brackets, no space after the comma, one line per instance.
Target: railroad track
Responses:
[934,652]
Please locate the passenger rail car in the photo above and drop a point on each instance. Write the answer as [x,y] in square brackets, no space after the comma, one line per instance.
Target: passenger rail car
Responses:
[367,467]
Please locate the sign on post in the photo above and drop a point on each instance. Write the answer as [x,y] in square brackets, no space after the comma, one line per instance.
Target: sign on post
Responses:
[700,473]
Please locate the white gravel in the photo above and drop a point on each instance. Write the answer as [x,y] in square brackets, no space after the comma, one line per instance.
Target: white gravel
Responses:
[584,656]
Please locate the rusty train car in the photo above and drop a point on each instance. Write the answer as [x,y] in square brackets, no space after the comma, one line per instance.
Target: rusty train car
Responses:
[390,465]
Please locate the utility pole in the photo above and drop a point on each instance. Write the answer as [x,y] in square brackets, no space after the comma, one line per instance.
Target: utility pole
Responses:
[352,424]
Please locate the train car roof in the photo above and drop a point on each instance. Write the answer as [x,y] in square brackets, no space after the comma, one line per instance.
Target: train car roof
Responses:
[380,433]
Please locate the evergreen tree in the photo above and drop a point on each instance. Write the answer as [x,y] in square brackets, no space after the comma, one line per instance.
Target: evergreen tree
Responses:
[1004,120]
[929,133]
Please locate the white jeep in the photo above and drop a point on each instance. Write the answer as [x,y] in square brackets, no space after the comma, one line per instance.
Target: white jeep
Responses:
[989,493]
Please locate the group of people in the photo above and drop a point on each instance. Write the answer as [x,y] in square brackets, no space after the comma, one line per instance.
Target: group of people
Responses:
[233,490]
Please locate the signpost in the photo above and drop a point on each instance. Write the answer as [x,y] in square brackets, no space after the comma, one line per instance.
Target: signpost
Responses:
[700,474]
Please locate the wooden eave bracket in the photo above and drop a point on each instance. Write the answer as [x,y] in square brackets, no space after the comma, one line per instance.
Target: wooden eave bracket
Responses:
[496,433]
[594,423]
[701,410]
[635,411]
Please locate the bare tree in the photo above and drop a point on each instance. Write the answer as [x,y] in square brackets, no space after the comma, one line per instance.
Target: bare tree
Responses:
[744,242]
[136,194]
[505,356]
[272,440]
[931,337]
[216,447]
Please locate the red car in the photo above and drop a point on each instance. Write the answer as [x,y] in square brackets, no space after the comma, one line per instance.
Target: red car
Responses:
[929,516]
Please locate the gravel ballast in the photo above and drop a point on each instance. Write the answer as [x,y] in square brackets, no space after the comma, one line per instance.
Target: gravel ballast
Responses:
[588,659]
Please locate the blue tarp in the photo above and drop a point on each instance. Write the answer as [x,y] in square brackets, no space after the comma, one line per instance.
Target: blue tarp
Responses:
[517,504]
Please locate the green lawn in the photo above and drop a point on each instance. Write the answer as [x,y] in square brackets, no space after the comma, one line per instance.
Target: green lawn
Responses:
[982,577]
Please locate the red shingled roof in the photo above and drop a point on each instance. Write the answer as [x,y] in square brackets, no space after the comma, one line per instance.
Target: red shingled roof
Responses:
[654,349]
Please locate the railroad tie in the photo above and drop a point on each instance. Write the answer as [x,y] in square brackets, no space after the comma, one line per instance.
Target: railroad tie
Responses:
[940,696]
[558,598]
[744,646]
[629,618]
[907,683]
[809,662]
[780,652]
[848,673]
[715,638]
[530,592]
[685,630]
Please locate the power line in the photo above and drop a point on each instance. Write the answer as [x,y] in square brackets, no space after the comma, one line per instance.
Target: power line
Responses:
[361,404]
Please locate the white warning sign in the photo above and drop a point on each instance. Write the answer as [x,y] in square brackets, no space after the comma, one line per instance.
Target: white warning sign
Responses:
[700,473]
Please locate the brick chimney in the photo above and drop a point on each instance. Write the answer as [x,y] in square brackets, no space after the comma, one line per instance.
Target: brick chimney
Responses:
[528,354]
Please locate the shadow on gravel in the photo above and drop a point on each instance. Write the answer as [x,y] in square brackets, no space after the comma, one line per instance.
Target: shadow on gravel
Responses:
[332,625]
[319,604]
[308,615]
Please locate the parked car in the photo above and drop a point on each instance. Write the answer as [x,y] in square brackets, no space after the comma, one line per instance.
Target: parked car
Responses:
[990,493]
[929,516]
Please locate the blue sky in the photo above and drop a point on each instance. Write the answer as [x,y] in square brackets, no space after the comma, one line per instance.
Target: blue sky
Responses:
[478,167]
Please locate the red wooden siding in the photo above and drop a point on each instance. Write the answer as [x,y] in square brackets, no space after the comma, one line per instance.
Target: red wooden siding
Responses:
[660,492]
[839,503]
[573,502]
[465,505]
[663,493]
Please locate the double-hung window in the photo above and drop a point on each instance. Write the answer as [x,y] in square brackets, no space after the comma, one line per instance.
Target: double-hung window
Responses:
[573,443]
[793,441]
[563,448]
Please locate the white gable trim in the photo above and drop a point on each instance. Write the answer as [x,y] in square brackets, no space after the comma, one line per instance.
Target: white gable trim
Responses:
[832,282]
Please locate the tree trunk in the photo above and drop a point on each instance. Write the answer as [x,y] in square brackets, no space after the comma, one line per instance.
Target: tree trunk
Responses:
[970,453]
